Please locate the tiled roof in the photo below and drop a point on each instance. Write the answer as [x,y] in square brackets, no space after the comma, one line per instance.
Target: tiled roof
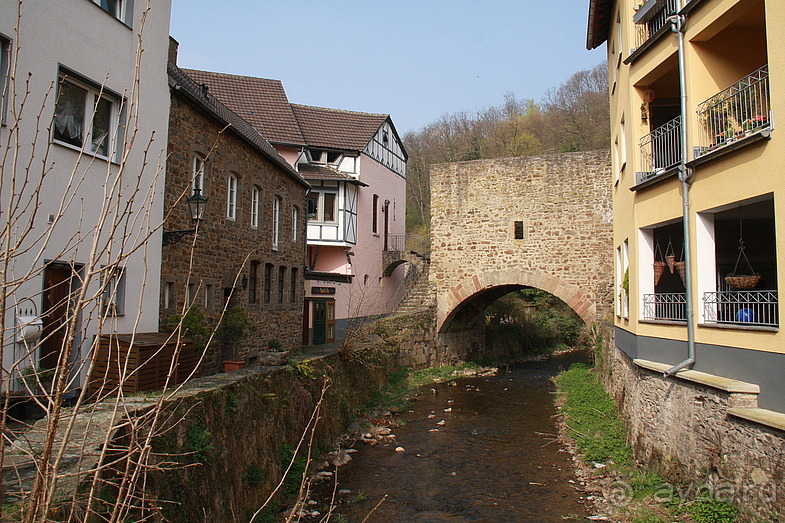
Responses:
[335,128]
[599,22]
[187,86]
[323,172]
[259,101]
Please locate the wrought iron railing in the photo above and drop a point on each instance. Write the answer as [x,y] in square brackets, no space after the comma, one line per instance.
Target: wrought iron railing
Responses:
[665,306]
[408,242]
[741,307]
[660,150]
[656,21]
[735,112]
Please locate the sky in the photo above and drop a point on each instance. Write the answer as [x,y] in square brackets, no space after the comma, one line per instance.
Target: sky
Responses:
[413,59]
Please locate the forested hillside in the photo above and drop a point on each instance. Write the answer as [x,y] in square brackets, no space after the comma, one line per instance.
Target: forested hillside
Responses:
[571,117]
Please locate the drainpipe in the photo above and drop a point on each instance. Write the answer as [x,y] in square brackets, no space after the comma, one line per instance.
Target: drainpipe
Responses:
[685,177]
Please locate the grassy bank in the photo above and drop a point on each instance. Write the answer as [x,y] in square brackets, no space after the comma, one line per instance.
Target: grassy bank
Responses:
[632,495]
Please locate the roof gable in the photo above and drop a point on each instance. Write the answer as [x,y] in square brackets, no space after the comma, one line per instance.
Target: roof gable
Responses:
[336,128]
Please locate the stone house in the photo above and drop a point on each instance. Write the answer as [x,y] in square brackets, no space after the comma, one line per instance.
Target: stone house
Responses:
[698,356]
[356,165]
[250,247]
[83,142]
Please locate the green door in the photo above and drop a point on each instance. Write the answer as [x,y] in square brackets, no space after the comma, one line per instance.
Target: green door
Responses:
[319,321]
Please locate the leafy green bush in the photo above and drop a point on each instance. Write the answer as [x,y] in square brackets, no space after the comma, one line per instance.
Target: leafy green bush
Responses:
[194,326]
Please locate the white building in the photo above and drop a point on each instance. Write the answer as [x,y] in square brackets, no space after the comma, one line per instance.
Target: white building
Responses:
[82,171]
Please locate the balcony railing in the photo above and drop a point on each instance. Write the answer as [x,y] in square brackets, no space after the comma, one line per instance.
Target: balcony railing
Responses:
[735,112]
[660,149]
[655,19]
[408,242]
[665,306]
[741,307]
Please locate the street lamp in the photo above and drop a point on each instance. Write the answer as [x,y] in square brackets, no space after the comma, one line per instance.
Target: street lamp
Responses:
[196,206]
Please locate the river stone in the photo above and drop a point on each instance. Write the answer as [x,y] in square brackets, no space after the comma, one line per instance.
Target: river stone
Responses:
[273,359]
[341,459]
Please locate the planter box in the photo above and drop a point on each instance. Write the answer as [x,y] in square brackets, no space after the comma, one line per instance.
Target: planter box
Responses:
[647,11]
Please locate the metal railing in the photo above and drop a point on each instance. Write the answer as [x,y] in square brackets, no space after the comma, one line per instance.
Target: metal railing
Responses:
[665,306]
[408,242]
[657,21]
[660,149]
[741,307]
[735,112]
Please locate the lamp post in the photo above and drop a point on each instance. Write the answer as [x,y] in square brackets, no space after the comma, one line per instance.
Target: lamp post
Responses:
[196,206]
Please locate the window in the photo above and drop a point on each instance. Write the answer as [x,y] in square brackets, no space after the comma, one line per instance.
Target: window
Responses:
[231,197]
[114,292]
[276,221]
[191,297]
[295,216]
[375,219]
[325,157]
[281,278]
[84,116]
[120,9]
[662,272]
[198,175]
[5,60]
[253,283]
[256,194]
[293,284]
[322,206]
[518,230]
[268,276]
[208,297]
[168,295]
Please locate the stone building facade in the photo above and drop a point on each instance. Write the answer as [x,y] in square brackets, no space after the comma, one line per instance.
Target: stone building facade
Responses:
[250,247]
[498,225]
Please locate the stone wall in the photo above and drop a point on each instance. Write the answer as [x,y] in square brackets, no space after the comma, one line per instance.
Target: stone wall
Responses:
[684,429]
[563,204]
[226,248]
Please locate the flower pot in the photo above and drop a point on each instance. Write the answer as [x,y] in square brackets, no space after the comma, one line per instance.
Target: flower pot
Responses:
[230,366]
[681,268]
[659,269]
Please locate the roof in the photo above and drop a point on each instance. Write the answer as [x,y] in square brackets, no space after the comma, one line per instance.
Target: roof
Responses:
[599,22]
[324,172]
[259,101]
[336,128]
[187,86]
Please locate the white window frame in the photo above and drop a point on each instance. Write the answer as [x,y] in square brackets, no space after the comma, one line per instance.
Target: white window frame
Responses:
[295,216]
[256,194]
[5,62]
[276,221]
[319,217]
[168,294]
[68,122]
[120,9]
[198,172]
[113,300]
[231,197]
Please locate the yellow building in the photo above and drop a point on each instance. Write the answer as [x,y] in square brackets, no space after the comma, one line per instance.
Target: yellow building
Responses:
[699,196]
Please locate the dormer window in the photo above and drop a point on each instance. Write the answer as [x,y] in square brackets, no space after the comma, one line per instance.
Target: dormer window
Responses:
[385,137]
[325,157]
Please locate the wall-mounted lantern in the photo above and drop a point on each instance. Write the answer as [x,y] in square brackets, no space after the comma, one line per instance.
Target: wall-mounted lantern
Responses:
[196,206]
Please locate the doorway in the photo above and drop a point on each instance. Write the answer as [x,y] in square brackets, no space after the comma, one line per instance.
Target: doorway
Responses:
[59,287]
[323,321]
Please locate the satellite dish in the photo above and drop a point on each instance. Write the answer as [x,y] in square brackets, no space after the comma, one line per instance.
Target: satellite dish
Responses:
[649,95]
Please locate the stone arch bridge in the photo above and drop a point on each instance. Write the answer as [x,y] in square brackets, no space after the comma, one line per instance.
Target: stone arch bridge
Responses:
[501,225]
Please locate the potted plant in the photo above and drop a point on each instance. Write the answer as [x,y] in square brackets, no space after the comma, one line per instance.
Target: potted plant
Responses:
[273,353]
[236,325]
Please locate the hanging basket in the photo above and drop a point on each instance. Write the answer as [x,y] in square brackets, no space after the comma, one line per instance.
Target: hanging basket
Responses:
[659,269]
[681,268]
[670,259]
[742,282]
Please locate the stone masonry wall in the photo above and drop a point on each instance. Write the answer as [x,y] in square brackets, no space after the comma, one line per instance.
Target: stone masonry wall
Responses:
[684,429]
[564,202]
[225,247]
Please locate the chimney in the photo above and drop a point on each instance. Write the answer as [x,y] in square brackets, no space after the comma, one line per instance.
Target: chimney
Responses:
[174,45]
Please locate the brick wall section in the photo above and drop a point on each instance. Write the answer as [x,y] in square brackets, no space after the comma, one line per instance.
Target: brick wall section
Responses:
[564,202]
[223,245]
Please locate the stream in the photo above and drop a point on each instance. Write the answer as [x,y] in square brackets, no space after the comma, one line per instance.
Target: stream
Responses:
[480,449]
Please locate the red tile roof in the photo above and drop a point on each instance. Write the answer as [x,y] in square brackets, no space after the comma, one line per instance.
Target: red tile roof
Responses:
[324,172]
[259,101]
[335,128]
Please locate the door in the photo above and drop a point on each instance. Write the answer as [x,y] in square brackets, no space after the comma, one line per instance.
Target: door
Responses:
[319,321]
[330,321]
[56,297]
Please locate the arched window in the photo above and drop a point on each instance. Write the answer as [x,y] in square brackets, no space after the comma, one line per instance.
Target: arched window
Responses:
[253,283]
[256,197]
[276,222]
[231,197]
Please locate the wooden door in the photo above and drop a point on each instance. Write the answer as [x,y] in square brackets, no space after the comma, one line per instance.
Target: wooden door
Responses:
[56,299]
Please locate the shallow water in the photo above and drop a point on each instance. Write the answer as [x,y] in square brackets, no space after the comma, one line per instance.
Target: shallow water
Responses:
[495,458]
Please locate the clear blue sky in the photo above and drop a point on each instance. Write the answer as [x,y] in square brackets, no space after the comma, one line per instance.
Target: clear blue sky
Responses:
[413,59]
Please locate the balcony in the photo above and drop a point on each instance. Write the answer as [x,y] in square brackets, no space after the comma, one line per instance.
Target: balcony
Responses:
[651,17]
[660,150]
[741,110]
[758,308]
[670,306]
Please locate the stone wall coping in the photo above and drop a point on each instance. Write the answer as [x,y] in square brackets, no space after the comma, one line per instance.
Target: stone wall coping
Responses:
[764,417]
[718,382]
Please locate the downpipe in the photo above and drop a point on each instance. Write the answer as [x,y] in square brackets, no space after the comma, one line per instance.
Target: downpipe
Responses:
[685,177]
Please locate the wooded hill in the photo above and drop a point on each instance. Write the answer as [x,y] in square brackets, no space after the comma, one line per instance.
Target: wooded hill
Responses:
[571,117]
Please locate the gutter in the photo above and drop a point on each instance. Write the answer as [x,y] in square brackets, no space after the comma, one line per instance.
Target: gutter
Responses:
[685,177]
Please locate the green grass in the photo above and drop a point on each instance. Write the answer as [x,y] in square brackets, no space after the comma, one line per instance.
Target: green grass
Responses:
[591,417]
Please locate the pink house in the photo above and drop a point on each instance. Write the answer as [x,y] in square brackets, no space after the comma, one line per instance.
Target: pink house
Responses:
[356,209]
